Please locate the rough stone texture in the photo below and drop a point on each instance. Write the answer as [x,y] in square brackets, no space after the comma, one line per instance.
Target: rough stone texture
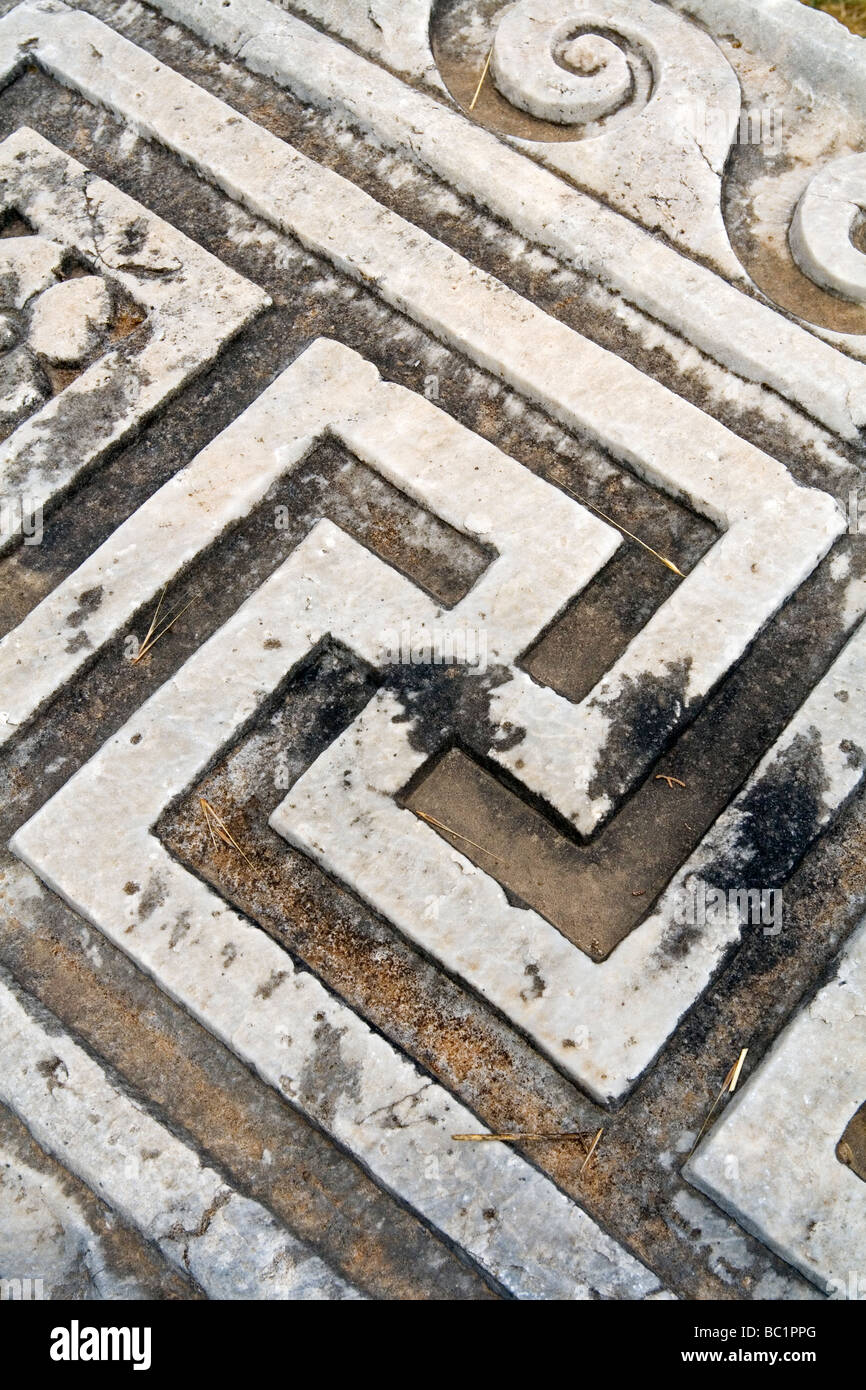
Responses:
[56,1230]
[528,1236]
[187,305]
[437,375]
[22,389]
[822,232]
[68,317]
[230,1246]
[342,811]
[729,325]
[774,1160]
[28,264]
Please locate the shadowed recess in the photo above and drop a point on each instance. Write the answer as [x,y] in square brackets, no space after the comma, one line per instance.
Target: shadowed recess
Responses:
[596,891]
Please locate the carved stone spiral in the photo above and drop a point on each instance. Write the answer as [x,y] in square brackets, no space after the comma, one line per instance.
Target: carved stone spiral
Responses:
[822,232]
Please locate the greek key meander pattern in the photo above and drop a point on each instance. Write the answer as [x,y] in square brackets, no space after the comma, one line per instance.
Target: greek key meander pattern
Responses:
[602,1017]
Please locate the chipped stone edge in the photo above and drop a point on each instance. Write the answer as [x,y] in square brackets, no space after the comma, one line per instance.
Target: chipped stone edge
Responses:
[400,38]
[230,1245]
[189,317]
[813,45]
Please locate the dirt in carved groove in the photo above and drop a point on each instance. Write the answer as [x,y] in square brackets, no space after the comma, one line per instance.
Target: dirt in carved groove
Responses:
[596,891]
[851,1149]
[634,1188]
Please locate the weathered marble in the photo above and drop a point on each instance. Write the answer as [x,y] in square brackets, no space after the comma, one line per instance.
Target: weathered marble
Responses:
[573,378]
[230,1245]
[772,1160]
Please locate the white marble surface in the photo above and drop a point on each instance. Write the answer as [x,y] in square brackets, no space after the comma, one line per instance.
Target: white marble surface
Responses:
[661,161]
[395,31]
[547,548]
[826,216]
[67,318]
[602,1022]
[192,305]
[770,1160]
[231,1246]
[236,980]
[733,328]
[46,1235]
[28,265]
[526,69]
[813,48]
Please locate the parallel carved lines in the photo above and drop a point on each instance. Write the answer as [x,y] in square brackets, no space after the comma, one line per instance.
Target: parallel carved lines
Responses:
[231,1246]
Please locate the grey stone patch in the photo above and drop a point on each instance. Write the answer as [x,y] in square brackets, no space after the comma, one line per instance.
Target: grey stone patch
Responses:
[273,981]
[55,1071]
[88,602]
[643,713]
[328,1077]
[79,643]
[536,986]
[8,332]
[55,1240]
[23,388]
[437,706]
[179,930]
[779,816]
[153,896]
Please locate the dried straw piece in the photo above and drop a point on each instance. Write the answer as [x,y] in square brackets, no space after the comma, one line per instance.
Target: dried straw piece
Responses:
[219,830]
[151,637]
[729,1084]
[456,833]
[481,80]
[533,1136]
[592,1150]
[584,502]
